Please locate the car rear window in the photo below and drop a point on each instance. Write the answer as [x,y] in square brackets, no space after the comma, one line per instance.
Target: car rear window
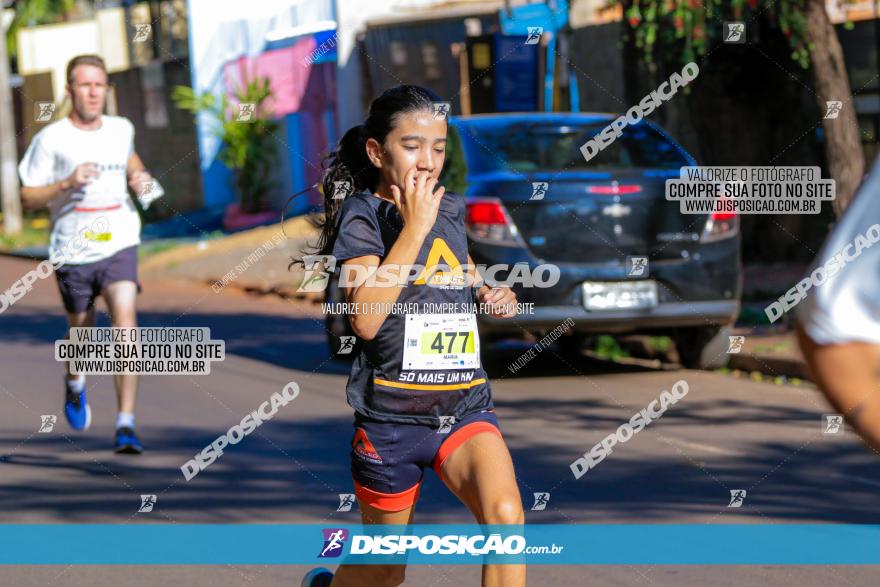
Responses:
[542,147]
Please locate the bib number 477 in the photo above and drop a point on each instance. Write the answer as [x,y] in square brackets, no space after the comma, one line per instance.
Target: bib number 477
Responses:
[441,346]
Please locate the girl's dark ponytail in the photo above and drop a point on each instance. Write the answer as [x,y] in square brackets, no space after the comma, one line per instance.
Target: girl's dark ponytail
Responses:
[347,170]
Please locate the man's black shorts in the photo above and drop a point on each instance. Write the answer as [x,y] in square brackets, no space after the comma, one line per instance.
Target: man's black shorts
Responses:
[80,285]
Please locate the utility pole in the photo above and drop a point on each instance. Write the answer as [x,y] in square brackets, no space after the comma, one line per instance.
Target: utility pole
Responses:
[9,188]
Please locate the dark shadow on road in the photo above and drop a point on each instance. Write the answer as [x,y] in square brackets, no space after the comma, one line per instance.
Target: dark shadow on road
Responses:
[294,471]
[286,341]
[297,342]
[551,362]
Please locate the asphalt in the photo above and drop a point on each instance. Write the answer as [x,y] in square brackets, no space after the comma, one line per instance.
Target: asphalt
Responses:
[727,433]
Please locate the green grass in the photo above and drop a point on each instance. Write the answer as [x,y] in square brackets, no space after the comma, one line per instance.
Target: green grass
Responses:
[780,347]
[30,236]
[659,344]
[152,249]
[607,348]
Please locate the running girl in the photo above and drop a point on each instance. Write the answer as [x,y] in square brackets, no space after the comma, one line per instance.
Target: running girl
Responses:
[420,395]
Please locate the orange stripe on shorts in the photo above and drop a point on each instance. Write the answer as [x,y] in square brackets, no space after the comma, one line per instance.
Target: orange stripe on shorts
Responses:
[389,502]
[458,438]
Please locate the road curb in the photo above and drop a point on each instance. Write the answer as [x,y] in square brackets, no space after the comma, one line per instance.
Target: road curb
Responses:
[33,253]
[264,289]
[771,365]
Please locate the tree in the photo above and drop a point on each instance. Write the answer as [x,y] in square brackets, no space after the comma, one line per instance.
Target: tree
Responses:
[35,12]
[9,188]
[690,27]
[454,173]
[27,13]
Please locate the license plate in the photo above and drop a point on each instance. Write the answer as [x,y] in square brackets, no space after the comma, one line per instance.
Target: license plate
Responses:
[620,295]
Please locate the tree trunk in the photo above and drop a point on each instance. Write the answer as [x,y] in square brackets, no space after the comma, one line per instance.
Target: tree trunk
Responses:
[843,147]
[9,188]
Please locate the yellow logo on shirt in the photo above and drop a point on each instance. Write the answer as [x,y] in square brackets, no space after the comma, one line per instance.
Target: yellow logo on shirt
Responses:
[97,236]
[441,255]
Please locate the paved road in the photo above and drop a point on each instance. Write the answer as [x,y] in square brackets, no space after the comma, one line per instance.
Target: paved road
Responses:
[725,434]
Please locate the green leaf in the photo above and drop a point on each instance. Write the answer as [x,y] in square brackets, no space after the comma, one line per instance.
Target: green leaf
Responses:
[249,148]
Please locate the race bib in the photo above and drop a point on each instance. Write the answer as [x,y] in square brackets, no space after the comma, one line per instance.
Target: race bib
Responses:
[441,341]
[93,225]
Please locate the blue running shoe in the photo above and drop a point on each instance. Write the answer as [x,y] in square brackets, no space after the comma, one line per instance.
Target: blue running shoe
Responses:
[77,410]
[318,577]
[127,442]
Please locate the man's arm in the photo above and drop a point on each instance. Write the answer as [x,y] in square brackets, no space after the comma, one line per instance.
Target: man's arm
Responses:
[849,375]
[36,197]
[137,173]
[135,164]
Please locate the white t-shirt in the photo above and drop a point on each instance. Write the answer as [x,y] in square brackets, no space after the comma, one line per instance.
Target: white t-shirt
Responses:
[101,213]
[846,307]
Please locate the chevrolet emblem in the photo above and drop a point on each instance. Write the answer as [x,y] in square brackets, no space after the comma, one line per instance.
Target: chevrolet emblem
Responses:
[616,210]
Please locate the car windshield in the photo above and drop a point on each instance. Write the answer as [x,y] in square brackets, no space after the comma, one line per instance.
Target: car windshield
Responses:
[544,147]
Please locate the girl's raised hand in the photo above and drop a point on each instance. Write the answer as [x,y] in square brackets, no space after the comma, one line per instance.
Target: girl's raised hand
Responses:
[419,203]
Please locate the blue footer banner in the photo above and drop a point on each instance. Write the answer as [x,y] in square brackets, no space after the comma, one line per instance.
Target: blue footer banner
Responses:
[562,544]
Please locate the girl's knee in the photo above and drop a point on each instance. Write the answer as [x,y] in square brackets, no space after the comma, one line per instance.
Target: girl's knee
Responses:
[504,510]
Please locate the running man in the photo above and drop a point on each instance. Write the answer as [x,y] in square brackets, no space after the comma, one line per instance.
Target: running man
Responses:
[839,322]
[421,397]
[80,168]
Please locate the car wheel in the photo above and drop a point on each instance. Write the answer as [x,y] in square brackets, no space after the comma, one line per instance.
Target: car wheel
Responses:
[703,348]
